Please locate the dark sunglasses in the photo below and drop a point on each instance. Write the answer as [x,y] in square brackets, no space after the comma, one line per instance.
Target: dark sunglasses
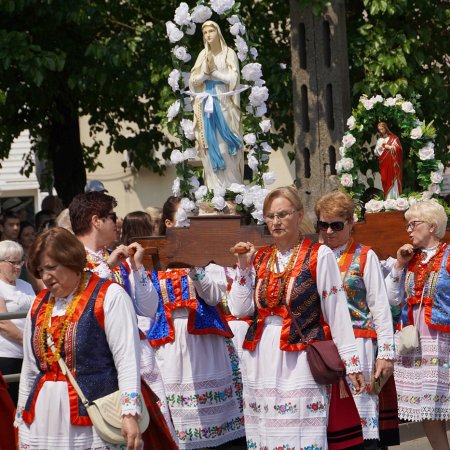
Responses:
[112,216]
[335,226]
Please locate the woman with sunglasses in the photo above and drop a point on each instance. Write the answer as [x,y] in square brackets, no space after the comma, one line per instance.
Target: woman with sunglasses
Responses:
[367,303]
[284,407]
[420,282]
[18,296]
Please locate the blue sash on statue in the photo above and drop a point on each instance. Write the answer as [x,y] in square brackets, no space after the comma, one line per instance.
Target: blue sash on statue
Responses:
[215,122]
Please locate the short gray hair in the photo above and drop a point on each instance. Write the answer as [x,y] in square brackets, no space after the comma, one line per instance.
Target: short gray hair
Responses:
[431,212]
[10,249]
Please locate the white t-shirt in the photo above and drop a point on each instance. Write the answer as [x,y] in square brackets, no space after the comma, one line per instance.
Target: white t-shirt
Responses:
[18,298]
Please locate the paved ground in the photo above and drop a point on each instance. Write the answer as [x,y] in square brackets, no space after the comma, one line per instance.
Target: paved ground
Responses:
[416,444]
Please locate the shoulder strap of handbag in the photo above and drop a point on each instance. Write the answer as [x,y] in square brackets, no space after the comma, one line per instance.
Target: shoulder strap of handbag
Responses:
[66,372]
[420,304]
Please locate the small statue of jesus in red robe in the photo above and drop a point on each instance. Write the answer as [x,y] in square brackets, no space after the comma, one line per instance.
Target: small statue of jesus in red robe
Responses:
[390,155]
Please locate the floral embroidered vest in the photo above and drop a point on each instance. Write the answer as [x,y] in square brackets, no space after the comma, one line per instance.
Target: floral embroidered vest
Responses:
[85,347]
[352,272]
[176,290]
[436,282]
[301,295]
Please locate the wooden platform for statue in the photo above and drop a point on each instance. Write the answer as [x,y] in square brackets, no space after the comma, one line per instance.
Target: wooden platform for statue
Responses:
[210,237]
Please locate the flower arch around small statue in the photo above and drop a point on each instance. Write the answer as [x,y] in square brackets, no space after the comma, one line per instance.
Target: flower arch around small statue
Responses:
[357,157]
[257,136]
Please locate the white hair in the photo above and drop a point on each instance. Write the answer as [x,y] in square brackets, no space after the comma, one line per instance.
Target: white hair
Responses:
[10,249]
[431,212]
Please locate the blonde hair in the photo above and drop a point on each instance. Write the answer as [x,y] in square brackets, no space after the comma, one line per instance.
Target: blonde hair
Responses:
[336,203]
[288,192]
[431,212]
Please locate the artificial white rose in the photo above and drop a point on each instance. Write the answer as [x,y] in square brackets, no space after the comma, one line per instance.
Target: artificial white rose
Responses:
[427,152]
[233,19]
[257,214]
[173,110]
[347,163]
[390,101]
[266,147]
[367,103]
[261,110]
[187,204]
[402,204]
[190,153]
[201,13]
[412,201]
[237,29]
[426,195]
[440,167]
[348,140]
[373,206]
[250,139]
[252,163]
[176,187]
[346,180]
[355,218]
[268,178]
[242,56]
[181,53]
[282,66]
[241,44]
[265,125]
[253,52]
[174,34]
[436,177]
[221,6]
[338,167]
[258,95]
[187,126]
[351,121]
[181,218]
[377,99]
[434,189]
[174,78]
[390,204]
[237,188]
[195,184]
[259,82]
[220,191]
[251,72]
[218,202]
[182,16]
[342,151]
[408,107]
[416,133]
[200,192]
[176,157]
[238,199]
[190,29]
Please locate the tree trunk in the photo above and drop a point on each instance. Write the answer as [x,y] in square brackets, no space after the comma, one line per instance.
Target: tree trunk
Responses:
[65,152]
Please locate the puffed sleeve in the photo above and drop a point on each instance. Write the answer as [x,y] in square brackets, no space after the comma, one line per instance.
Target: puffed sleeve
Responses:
[145,297]
[377,300]
[210,283]
[28,373]
[240,297]
[335,308]
[395,286]
[122,335]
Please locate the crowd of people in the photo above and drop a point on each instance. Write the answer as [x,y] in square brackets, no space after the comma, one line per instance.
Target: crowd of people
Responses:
[218,355]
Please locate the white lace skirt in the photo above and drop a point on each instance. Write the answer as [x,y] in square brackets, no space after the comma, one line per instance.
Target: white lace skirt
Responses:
[422,377]
[283,406]
[198,380]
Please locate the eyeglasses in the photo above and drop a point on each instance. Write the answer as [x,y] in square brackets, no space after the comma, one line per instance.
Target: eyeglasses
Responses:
[281,215]
[335,226]
[112,216]
[17,264]
[412,225]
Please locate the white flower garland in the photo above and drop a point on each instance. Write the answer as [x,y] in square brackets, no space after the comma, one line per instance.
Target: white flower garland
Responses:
[256,135]
[421,148]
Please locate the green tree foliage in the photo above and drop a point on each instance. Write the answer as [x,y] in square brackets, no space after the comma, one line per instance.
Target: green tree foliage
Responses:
[403,47]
